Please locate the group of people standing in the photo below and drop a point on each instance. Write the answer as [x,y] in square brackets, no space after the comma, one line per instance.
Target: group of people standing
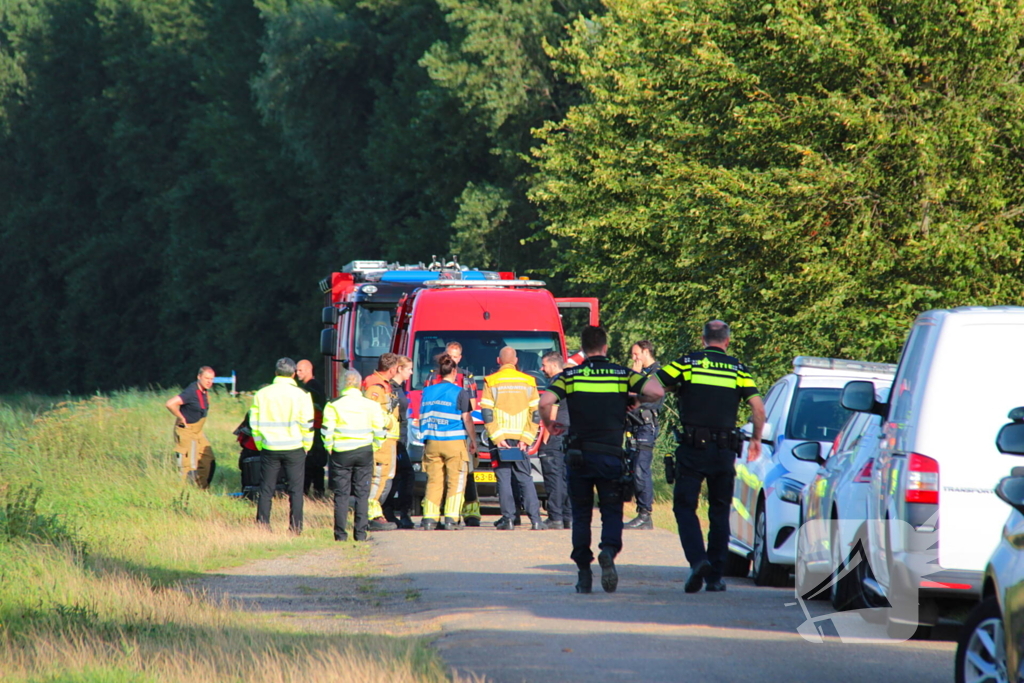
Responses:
[587,411]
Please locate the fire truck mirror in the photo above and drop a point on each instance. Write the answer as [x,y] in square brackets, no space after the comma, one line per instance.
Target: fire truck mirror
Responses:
[329,342]
[329,316]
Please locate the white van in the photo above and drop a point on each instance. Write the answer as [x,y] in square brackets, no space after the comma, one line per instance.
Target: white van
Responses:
[960,373]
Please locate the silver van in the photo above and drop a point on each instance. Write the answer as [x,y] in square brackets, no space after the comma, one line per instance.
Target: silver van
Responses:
[960,373]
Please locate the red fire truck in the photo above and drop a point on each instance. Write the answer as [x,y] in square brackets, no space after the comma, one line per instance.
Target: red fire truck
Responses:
[483,316]
[359,310]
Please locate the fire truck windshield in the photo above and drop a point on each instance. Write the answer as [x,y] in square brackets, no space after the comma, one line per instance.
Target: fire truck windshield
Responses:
[480,352]
[373,331]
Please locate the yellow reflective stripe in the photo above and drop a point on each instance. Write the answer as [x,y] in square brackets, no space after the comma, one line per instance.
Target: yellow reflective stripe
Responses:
[600,389]
[711,371]
[675,369]
[745,381]
[740,508]
[728,383]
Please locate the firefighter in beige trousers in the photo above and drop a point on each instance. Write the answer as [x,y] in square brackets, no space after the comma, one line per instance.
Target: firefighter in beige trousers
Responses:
[193,450]
[446,426]
[377,387]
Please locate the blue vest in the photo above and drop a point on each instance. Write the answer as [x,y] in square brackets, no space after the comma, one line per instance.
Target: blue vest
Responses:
[440,418]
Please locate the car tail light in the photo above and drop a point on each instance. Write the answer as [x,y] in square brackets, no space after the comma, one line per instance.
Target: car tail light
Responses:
[922,479]
[864,476]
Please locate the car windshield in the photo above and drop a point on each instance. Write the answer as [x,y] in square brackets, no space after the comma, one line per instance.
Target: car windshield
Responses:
[480,352]
[373,331]
[816,414]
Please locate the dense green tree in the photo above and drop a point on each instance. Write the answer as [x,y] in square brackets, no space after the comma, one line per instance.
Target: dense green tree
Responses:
[496,66]
[816,172]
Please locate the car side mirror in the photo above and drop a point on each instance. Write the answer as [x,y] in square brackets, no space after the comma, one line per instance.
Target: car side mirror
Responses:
[859,396]
[808,451]
[1010,439]
[1011,491]
[747,431]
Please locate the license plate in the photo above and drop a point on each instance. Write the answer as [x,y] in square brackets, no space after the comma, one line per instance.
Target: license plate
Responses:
[485,477]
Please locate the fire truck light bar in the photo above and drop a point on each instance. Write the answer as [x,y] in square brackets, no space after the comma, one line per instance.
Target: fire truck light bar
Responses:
[498,284]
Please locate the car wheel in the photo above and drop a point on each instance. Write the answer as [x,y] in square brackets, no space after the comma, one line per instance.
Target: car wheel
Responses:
[807,580]
[737,565]
[847,593]
[981,647]
[765,573]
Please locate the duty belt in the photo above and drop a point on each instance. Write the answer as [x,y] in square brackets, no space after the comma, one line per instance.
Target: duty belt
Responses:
[594,447]
[700,437]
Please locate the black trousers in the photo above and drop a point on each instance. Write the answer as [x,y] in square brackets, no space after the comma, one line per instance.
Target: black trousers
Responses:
[316,460]
[717,466]
[350,473]
[602,473]
[294,463]
[552,465]
[519,471]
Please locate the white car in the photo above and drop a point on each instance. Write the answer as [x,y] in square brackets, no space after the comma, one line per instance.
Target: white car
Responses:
[933,515]
[838,491]
[802,406]
[991,643]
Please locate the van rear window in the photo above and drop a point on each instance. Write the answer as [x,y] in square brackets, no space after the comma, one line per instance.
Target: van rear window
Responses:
[816,414]
[480,352]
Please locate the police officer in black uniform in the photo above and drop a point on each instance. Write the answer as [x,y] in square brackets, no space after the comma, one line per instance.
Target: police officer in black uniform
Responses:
[643,425]
[596,392]
[709,385]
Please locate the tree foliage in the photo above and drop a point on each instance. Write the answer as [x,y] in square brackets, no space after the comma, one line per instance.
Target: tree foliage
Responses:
[177,175]
[816,173]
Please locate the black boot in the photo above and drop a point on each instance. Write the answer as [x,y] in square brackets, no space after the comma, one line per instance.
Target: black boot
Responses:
[642,521]
[584,580]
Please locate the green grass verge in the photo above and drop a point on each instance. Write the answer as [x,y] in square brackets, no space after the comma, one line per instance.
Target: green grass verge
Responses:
[98,536]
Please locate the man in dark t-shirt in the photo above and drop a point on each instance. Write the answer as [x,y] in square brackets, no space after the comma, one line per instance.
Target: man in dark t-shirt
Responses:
[190,408]
[316,459]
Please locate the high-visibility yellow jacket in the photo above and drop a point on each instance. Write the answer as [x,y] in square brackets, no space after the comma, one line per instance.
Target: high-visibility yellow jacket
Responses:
[281,417]
[378,389]
[352,421]
[509,403]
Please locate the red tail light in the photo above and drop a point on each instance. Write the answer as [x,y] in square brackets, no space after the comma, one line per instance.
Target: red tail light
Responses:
[864,476]
[922,479]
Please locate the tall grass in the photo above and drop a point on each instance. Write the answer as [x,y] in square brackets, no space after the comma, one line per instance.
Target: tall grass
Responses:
[98,535]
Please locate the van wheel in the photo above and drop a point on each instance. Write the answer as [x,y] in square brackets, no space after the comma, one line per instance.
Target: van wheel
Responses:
[737,565]
[765,573]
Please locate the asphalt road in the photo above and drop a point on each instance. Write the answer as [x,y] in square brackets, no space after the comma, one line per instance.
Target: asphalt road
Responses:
[507,609]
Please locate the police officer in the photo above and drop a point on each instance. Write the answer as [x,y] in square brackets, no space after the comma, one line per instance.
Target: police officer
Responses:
[552,454]
[353,428]
[709,385]
[281,419]
[643,425]
[596,392]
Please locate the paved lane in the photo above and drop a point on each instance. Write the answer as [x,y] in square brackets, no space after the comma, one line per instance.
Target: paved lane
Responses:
[507,608]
